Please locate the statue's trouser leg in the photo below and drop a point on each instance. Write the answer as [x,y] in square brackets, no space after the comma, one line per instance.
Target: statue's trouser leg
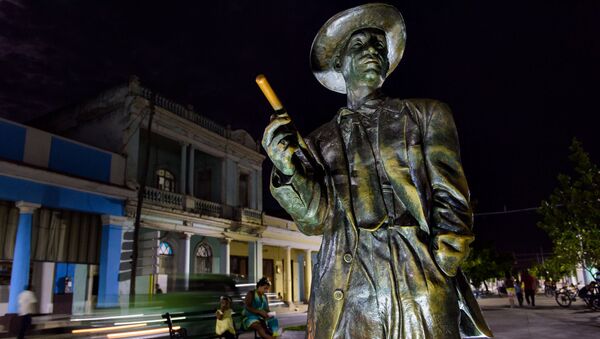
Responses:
[396,290]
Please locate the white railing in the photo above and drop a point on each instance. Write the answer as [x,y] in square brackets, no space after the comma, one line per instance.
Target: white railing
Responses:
[251,215]
[163,198]
[185,112]
[203,207]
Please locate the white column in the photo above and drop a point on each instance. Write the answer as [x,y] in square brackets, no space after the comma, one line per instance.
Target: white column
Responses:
[191,170]
[288,275]
[307,273]
[225,253]
[184,258]
[43,279]
[92,269]
[255,258]
[182,181]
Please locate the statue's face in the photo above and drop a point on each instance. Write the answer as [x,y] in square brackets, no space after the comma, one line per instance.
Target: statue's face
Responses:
[363,61]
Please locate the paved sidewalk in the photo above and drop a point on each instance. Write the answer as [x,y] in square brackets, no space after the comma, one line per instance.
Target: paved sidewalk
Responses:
[547,320]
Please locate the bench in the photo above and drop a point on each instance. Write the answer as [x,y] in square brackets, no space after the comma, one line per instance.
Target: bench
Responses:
[174,334]
[182,332]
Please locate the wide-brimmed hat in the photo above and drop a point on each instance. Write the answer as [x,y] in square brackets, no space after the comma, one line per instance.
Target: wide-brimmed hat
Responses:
[335,32]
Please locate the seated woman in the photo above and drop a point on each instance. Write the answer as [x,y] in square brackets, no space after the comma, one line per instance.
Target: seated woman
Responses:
[256,311]
[224,326]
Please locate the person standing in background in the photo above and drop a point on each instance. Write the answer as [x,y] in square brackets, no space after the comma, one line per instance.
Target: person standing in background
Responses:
[519,292]
[27,302]
[510,290]
[530,286]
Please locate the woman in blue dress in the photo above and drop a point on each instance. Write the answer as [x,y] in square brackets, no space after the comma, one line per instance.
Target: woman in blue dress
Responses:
[256,311]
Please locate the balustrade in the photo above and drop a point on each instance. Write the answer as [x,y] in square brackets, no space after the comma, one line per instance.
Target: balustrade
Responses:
[210,208]
[163,198]
[251,215]
[184,112]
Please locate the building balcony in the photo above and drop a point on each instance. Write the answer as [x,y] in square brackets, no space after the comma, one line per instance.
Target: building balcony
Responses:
[204,207]
[176,201]
[163,198]
[249,215]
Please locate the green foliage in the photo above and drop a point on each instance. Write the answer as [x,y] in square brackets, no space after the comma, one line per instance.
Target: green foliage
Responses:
[485,263]
[552,269]
[571,216]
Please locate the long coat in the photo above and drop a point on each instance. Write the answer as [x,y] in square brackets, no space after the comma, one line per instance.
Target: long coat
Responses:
[419,148]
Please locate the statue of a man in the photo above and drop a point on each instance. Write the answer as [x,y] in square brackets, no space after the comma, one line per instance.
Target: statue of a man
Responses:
[385,188]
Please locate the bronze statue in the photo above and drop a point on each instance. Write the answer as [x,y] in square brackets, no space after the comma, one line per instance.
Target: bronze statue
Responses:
[385,188]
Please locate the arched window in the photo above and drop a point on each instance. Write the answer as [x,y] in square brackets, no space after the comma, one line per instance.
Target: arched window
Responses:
[165,180]
[165,249]
[165,258]
[204,258]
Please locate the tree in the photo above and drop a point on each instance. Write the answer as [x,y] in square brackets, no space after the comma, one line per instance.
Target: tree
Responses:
[552,269]
[571,215]
[484,263]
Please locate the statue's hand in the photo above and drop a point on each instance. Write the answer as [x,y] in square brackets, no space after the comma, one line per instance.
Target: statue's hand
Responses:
[280,141]
[450,250]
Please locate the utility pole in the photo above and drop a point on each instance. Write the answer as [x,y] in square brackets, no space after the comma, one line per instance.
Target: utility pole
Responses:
[140,199]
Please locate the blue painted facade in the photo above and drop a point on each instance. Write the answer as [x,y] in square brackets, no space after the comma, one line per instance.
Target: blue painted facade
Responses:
[110,256]
[76,159]
[61,272]
[63,156]
[18,145]
[13,189]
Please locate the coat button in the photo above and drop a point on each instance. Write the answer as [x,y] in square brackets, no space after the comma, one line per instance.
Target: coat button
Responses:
[338,295]
[348,258]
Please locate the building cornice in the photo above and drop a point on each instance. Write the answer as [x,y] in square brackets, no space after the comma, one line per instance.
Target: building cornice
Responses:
[43,176]
[181,129]
[282,237]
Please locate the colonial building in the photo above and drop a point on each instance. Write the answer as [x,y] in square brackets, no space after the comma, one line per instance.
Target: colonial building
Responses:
[62,206]
[202,207]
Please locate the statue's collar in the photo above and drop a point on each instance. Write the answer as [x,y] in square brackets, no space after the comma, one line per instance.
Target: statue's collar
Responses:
[373,102]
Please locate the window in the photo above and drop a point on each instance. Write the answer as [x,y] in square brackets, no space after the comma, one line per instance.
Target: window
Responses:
[204,184]
[165,180]
[204,258]
[165,249]
[243,190]
[165,258]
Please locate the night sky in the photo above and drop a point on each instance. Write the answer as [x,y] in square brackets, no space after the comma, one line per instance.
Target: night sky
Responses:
[521,77]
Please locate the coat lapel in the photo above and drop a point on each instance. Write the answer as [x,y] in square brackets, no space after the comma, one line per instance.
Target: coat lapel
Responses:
[334,155]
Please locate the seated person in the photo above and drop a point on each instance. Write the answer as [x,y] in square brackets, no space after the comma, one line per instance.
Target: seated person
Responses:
[587,291]
[256,311]
[224,326]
